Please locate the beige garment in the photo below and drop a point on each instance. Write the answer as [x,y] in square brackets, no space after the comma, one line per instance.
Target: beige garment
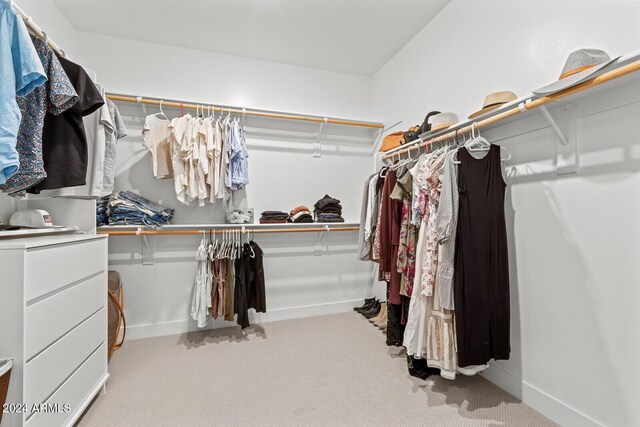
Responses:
[216,158]
[219,269]
[178,129]
[155,136]
[191,153]
[441,338]
[229,288]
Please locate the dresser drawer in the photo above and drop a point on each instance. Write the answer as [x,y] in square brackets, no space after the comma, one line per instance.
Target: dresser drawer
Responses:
[48,370]
[52,267]
[75,391]
[69,308]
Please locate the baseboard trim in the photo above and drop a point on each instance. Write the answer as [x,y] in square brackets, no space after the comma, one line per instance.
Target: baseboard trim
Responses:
[548,405]
[187,325]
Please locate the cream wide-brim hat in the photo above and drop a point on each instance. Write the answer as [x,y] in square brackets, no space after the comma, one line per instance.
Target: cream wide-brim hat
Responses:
[493,101]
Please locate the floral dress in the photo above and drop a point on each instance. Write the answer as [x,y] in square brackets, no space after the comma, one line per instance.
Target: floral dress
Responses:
[429,182]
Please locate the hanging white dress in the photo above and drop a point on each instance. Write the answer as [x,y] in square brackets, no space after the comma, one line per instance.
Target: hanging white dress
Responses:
[201,301]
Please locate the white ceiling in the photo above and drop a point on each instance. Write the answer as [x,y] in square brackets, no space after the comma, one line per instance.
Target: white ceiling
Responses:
[350,36]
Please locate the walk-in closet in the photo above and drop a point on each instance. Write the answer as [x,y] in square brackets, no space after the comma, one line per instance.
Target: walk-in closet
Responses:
[298,213]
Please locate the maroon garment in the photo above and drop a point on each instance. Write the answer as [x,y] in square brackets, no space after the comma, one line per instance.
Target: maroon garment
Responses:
[390,216]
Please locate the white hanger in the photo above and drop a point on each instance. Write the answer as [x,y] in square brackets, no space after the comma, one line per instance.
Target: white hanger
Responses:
[161,113]
[403,162]
[221,248]
[484,146]
[253,254]
[477,142]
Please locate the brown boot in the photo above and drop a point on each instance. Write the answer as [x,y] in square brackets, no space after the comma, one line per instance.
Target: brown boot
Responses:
[383,309]
[382,317]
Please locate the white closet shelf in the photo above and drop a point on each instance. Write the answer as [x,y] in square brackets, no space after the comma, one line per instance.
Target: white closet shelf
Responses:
[36,232]
[192,229]
[622,72]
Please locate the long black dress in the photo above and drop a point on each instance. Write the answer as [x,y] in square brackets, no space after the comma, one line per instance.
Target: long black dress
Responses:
[481,274]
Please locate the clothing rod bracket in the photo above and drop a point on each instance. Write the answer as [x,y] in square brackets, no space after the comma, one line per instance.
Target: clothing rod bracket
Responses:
[547,115]
[567,142]
[320,245]
[376,140]
[148,248]
[317,148]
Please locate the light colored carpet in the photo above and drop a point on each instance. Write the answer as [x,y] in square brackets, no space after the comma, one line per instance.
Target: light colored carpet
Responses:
[321,371]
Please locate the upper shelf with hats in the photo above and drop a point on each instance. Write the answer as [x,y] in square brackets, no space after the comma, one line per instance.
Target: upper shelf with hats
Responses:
[586,72]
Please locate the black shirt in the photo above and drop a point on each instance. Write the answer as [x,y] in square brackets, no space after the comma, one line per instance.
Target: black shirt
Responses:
[64,142]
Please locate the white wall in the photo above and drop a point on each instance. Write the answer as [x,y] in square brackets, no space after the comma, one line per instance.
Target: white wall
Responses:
[283,175]
[574,280]
[51,20]
[151,69]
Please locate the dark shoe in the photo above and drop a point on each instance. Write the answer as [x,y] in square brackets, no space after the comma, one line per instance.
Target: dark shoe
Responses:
[367,306]
[367,301]
[375,310]
[372,307]
[418,368]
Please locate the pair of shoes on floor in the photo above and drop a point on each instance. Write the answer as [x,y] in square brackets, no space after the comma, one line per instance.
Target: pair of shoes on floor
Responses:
[381,319]
[370,309]
[373,311]
[367,304]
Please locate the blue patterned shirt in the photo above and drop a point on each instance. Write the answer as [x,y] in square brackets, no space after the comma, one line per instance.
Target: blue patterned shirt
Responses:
[56,96]
[20,73]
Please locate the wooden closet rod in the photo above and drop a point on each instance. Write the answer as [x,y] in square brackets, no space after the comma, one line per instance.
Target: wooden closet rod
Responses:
[525,106]
[251,230]
[260,113]
[37,31]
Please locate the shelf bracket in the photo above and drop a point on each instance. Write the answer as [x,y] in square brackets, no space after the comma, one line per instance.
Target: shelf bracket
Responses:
[374,146]
[566,144]
[316,145]
[319,247]
[144,108]
[547,115]
[148,248]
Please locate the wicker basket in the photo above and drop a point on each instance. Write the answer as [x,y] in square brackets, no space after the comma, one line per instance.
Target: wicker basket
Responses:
[5,376]
[115,305]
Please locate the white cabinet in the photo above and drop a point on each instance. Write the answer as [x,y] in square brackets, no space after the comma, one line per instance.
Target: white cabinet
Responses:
[53,324]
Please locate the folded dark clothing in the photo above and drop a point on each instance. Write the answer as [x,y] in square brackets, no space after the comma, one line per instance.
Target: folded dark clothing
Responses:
[329,209]
[284,216]
[303,218]
[273,221]
[329,215]
[292,218]
[268,213]
[339,219]
[325,201]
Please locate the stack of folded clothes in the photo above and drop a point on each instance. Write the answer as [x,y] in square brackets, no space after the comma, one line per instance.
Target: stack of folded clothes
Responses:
[128,208]
[273,217]
[102,217]
[300,214]
[328,209]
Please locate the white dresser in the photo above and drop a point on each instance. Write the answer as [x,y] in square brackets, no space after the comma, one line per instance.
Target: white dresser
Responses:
[53,324]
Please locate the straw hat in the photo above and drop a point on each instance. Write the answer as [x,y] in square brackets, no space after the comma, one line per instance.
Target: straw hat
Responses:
[493,101]
[580,65]
[391,141]
[442,121]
